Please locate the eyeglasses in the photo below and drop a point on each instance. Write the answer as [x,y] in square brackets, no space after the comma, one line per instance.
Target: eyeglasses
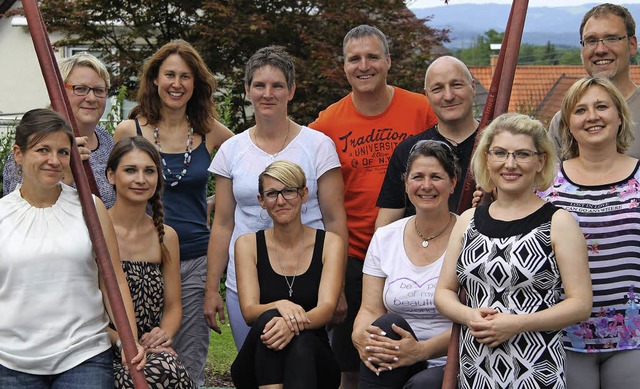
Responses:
[288,193]
[83,90]
[521,156]
[610,41]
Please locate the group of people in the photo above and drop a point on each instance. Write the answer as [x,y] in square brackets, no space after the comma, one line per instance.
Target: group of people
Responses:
[342,251]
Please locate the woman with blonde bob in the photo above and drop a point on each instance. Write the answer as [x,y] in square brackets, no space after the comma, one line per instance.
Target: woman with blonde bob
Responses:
[513,258]
[599,185]
[289,280]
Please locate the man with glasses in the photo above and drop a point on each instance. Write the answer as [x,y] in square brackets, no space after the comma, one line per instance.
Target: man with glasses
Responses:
[450,89]
[608,40]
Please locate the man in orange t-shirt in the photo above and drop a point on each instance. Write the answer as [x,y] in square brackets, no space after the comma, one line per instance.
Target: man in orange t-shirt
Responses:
[366,125]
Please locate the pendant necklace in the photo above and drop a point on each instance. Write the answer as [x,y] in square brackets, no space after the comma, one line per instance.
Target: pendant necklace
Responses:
[425,241]
[293,279]
[274,155]
[175,177]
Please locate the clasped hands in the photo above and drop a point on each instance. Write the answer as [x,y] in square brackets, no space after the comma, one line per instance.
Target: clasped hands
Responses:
[380,353]
[279,331]
[492,328]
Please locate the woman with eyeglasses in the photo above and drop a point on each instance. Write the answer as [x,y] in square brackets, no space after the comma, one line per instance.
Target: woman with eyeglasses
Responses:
[401,337]
[270,85]
[289,279]
[87,84]
[514,259]
[599,184]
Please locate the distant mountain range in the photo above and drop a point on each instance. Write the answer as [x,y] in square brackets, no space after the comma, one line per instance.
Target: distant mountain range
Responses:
[559,25]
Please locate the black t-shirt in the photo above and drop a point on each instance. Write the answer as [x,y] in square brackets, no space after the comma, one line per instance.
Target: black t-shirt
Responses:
[392,193]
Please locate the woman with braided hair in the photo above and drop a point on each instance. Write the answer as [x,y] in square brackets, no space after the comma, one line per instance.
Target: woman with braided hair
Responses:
[150,259]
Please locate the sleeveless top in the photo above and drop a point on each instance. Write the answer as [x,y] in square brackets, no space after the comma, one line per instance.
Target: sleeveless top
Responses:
[510,266]
[52,317]
[273,286]
[609,217]
[185,204]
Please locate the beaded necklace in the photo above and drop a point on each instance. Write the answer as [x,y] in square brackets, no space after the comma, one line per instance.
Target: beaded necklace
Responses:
[175,177]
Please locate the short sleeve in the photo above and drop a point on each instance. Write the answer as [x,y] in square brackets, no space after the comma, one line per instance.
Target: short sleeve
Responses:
[326,155]
[372,265]
[220,164]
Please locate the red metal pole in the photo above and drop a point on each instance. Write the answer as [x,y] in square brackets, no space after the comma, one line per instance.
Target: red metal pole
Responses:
[497,103]
[60,104]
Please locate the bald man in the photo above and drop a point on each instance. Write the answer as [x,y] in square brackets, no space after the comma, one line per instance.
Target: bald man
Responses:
[450,89]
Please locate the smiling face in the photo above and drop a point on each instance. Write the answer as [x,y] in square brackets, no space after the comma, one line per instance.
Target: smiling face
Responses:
[428,185]
[136,177]
[366,65]
[450,90]
[268,91]
[595,120]
[87,110]
[511,176]
[281,210]
[44,162]
[175,82]
[602,60]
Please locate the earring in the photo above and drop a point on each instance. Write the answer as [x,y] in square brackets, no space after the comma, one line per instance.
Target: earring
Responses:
[265,218]
[18,169]
[304,208]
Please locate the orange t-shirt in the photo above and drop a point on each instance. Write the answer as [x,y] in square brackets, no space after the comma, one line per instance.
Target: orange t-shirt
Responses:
[364,145]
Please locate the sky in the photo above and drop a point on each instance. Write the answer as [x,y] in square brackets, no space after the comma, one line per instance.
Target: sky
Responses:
[532,3]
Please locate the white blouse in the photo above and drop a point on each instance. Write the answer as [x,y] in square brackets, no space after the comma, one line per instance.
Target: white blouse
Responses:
[52,317]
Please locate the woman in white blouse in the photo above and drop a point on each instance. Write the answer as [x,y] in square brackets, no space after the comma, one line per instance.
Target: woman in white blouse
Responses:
[53,326]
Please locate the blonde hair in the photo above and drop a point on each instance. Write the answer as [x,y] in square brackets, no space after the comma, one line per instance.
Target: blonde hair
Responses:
[287,172]
[625,135]
[516,124]
[84,59]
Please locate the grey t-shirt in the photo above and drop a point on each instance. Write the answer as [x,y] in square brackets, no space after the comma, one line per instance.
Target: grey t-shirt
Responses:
[634,107]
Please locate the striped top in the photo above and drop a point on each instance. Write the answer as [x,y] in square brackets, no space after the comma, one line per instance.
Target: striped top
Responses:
[609,216]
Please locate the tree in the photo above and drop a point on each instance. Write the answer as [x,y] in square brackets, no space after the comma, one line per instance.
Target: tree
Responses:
[228,32]
[479,53]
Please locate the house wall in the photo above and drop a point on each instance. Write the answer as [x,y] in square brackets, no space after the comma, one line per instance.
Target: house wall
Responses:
[21,83]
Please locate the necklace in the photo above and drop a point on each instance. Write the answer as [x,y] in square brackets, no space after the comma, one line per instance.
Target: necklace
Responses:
[425,241]
[274,155]
[175,177]
[293,279]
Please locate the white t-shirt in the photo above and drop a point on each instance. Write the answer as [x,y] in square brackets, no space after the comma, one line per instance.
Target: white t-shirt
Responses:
[240,160]
[409,290]
[52,316]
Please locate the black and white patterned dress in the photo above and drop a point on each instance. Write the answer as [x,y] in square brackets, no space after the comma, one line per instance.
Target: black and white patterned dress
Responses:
[162,370]
[511,267]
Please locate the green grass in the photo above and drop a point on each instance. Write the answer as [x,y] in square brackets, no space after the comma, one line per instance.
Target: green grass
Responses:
[222,350]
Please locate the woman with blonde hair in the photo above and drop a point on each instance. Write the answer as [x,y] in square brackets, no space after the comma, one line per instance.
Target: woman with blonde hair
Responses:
[598,184]
[87,84]
[289,280]
[514,258]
